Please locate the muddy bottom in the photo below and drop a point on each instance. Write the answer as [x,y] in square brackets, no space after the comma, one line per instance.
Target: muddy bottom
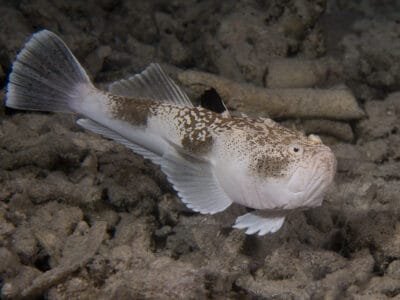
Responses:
[84,217]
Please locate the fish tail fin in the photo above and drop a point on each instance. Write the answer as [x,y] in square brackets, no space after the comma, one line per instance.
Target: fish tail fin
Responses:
[46,76]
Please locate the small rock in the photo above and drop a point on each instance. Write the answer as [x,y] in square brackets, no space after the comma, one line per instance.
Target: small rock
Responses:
[62,219]
[77,252]
[6,229]
[109,216]
[163,231]
[356,271]
[376,150]
[51,244]
[320,218]
[133,229]
[9,263]
[304,103]
[169,208]
[393,269]
[174,51]
[13,288]
[372,54]
[381,121]
[273,264]
[75,287]
[384,285]
[139,195]
[165,24]
[298,73]
[48,151]
[391,245]
[339,130]
[388,194]
[182,240]
[140,54]
[348,156]
[14,30]
[250,43]
[394,146]
[222,58]
[81,228]
[120,257]
[123,252]
[269,289]
[24,243]
[160,277]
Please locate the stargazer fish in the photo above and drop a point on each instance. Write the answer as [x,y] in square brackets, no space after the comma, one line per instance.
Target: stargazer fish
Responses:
[211,159]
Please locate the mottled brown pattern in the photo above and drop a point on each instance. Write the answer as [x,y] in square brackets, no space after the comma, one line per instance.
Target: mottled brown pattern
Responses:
[195,124]
[268,145]
[271,166]
[239,123]
[133,111]
[196,146]
[263,140]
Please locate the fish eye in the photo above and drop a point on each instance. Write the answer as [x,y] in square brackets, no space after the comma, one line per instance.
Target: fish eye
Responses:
[296,149]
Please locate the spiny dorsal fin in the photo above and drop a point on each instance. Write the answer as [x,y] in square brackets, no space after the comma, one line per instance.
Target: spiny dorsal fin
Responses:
[153,83]
[212,101]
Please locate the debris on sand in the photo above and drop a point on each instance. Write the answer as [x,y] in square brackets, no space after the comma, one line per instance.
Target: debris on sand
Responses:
[306,103]
[81,216]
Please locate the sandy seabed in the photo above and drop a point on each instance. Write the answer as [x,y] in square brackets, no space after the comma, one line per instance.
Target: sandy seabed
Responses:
[83,217]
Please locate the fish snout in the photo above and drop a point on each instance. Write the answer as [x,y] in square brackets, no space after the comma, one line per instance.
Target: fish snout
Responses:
[325,163]
[321,165]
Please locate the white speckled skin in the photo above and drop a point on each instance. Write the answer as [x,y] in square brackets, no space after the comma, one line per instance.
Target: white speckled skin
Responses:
[211,159]
[253,159]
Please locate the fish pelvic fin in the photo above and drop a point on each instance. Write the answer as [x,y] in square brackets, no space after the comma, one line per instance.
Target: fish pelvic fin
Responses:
[46,76]
[259,222]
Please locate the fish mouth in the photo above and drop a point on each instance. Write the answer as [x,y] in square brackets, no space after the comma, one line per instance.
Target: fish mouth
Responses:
[323,173]
[297,182]
[325,163]
[313,179]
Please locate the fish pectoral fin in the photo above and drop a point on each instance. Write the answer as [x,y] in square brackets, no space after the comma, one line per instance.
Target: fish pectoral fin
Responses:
[259,222]
[195,182]
[154,84]
[108,133]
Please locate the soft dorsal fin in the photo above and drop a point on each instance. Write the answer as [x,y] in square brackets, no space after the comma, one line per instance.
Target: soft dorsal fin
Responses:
[153,83]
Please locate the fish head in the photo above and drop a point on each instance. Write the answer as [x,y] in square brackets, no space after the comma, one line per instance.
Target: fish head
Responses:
[294,173]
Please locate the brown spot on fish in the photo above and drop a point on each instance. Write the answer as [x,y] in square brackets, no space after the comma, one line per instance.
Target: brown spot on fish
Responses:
[133,111]
[271,166]
[195,145]
[195,124]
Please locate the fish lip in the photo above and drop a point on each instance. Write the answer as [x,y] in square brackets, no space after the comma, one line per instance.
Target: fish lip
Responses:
[294,189]
[328,153]
[319,176]
[316,172]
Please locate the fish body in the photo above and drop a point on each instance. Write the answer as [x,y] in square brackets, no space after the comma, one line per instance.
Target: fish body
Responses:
[211,159]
